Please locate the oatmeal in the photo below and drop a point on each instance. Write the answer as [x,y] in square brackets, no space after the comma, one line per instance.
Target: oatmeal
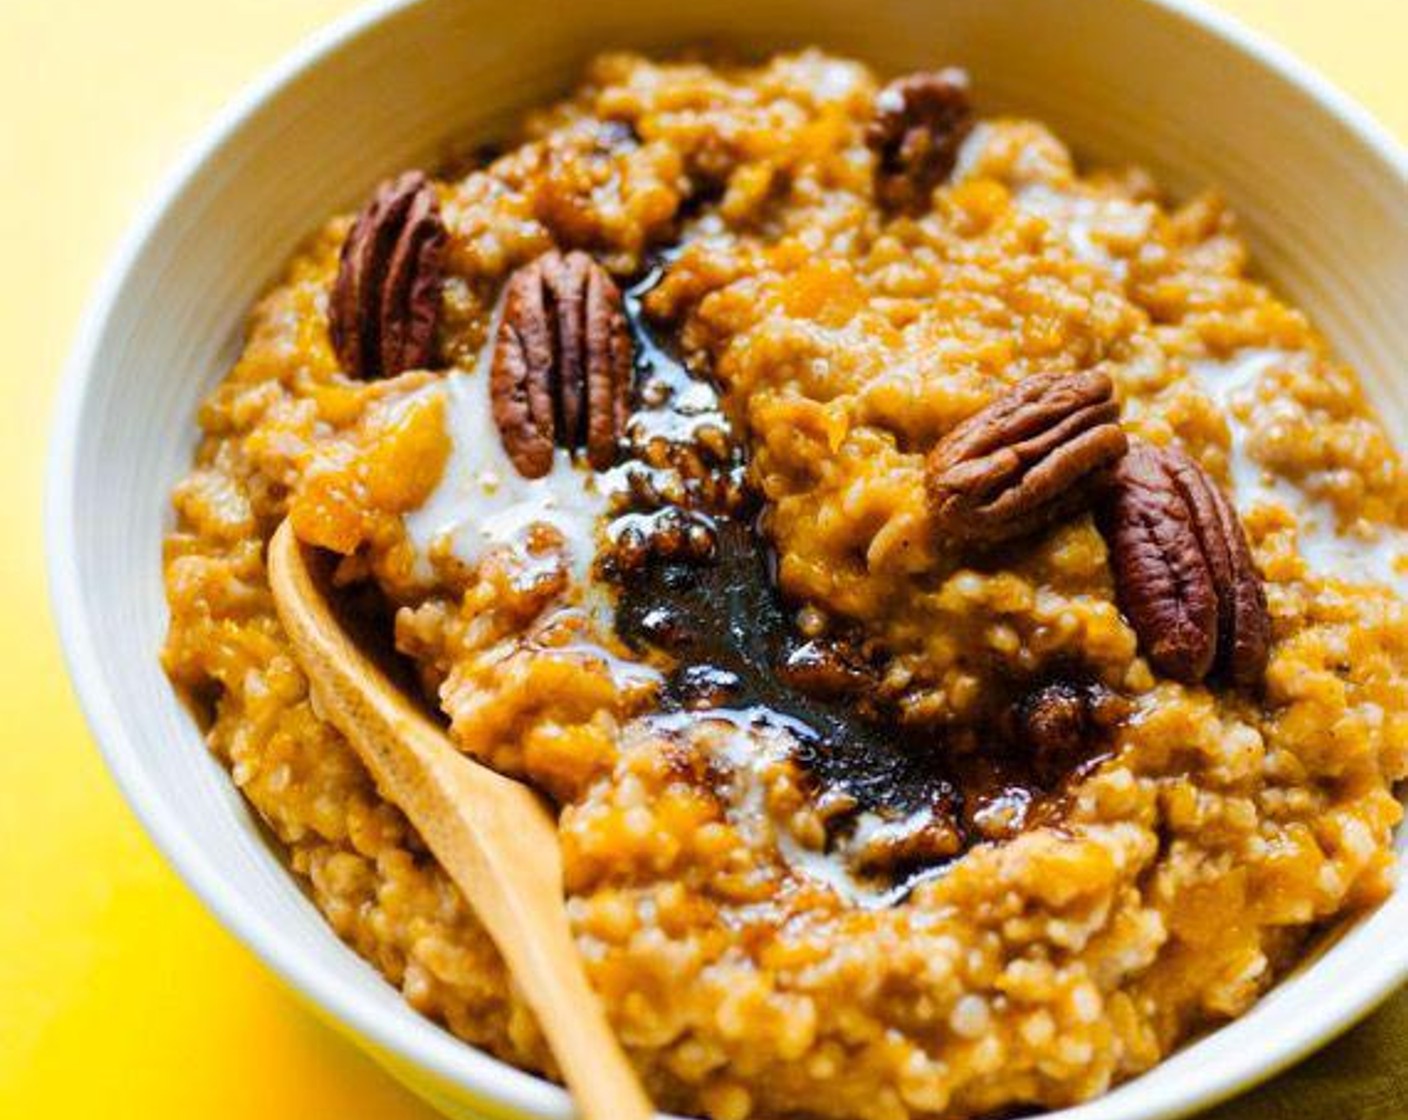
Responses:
[955,608]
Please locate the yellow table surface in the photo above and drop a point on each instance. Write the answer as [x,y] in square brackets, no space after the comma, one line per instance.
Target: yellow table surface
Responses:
[119,996]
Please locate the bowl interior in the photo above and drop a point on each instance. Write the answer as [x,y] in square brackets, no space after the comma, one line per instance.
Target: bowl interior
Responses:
[1324,202]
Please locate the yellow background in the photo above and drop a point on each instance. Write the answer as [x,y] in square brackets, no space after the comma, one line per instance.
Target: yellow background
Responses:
[119,996]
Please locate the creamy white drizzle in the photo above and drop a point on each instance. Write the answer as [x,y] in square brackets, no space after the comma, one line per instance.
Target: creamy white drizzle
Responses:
[482,502]
[1369,554]
[1088,226]
[747,752]
[595,615]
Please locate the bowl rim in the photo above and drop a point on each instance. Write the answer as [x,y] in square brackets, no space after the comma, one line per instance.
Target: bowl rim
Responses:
[439,1053]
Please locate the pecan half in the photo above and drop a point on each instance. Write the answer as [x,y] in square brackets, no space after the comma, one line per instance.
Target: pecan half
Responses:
[1184,575]
[920,122]
[385,303]
[1026,459]
[561,373]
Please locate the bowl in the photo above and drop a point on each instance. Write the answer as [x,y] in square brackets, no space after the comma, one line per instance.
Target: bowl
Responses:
[1168,84]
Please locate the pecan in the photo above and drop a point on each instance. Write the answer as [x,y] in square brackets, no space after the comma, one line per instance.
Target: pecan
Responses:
[1026,459]
[671,534]
[1054,720]
[827,668]
[561,373]
[385,304]
[1184,575]
[1062,724]
[920,122]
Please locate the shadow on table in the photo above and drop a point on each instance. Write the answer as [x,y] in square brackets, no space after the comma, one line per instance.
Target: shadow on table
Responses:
[1361,1076]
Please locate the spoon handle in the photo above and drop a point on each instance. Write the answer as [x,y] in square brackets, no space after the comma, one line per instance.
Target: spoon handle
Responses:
[492,835]
[493,847]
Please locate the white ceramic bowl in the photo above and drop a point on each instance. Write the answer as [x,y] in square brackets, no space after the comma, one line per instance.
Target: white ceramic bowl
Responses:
[1324,196]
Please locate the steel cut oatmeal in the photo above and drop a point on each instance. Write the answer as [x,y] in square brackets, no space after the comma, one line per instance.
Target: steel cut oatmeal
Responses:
[956,608]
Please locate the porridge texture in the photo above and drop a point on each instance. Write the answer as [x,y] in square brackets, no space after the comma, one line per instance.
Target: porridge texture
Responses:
[861,817]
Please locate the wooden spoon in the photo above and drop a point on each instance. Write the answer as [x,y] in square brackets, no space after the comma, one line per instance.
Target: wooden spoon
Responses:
[491,834]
